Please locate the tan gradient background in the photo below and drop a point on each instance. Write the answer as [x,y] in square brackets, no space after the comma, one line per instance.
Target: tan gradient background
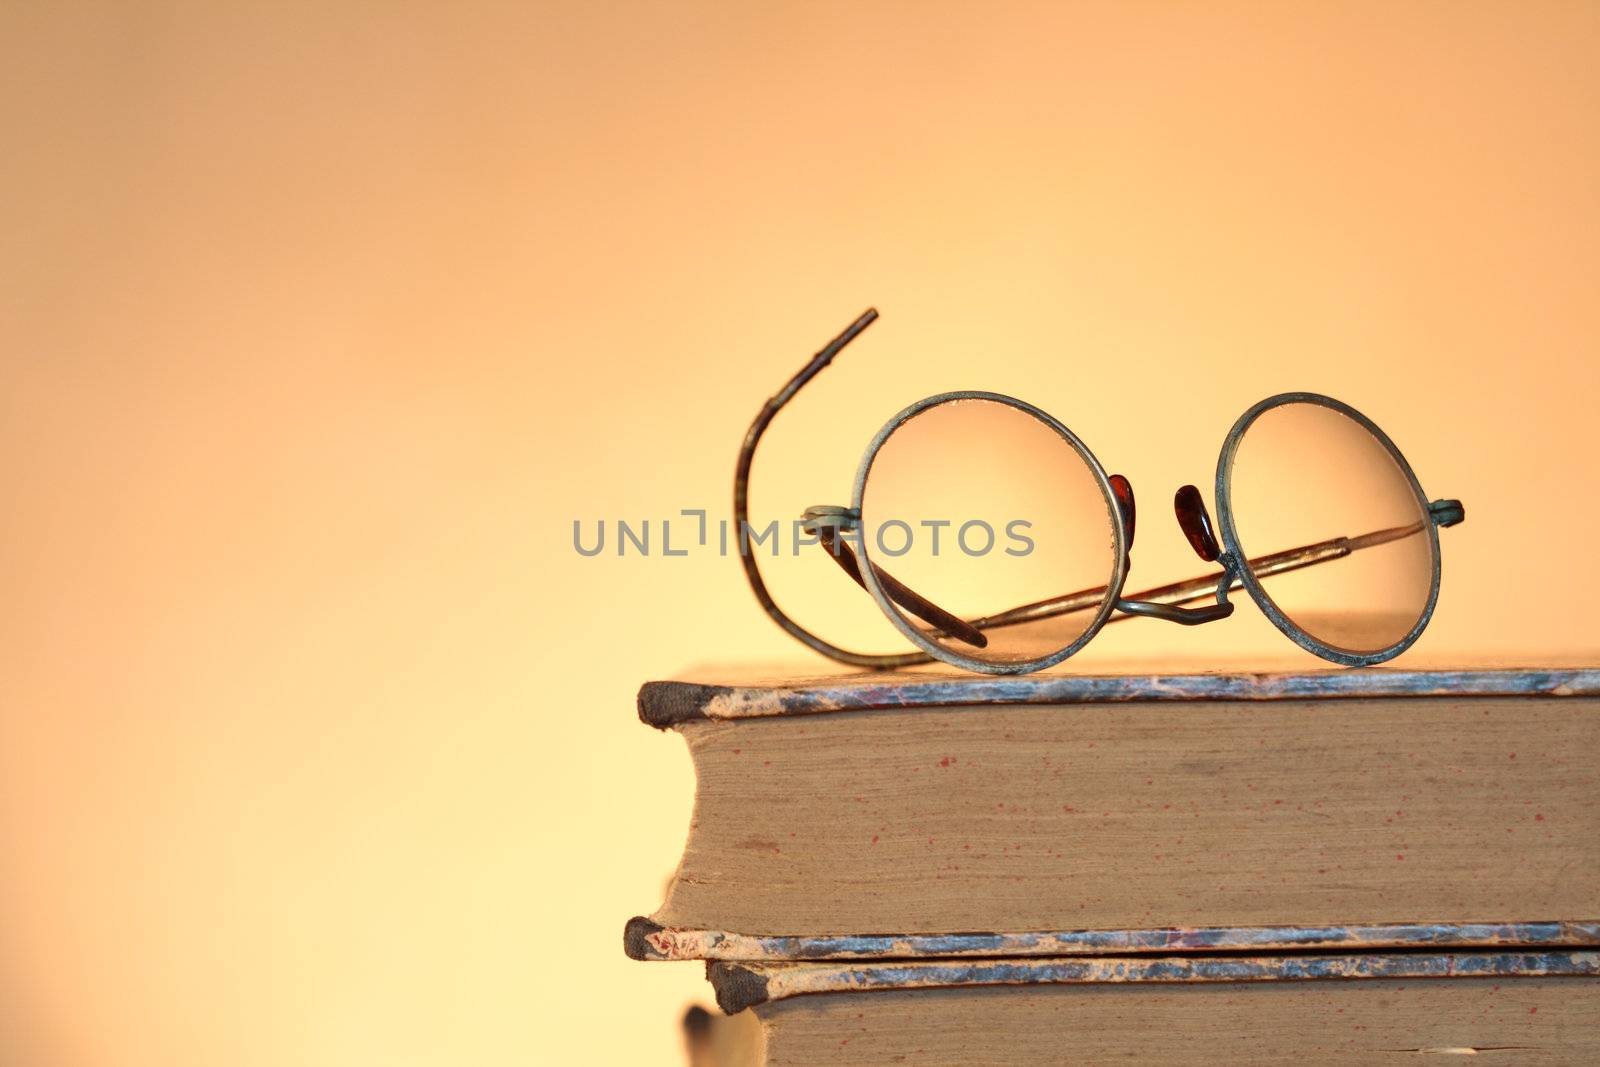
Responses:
[322,322]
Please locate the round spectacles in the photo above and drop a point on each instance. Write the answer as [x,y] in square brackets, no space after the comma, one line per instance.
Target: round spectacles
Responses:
[994,540]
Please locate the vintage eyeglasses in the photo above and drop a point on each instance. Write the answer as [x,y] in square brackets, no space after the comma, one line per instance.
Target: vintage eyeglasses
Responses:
[1036,536]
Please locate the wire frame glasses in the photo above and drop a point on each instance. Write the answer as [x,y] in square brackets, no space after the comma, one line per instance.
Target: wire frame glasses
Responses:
[994,540]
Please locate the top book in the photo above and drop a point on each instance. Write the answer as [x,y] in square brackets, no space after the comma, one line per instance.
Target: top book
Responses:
[931,813]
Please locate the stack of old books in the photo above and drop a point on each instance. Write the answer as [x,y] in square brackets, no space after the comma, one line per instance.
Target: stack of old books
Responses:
[1328,866]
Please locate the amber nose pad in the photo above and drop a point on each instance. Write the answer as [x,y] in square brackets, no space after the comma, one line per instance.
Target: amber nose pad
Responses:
[1122,489]
[1196,523]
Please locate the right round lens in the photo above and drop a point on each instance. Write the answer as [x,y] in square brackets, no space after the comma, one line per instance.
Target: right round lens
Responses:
[985,507]
[1312,472]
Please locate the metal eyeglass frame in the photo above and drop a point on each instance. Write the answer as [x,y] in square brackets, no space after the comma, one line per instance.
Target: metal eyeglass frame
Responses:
[1167,602]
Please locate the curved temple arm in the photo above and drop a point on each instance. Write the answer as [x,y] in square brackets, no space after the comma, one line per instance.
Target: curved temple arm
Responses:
[741,513]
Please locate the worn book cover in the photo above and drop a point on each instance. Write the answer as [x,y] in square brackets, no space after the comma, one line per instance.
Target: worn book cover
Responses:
[1514,1008]
[927,814]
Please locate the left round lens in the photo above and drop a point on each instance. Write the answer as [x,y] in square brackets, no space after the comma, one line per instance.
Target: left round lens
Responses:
[983,509]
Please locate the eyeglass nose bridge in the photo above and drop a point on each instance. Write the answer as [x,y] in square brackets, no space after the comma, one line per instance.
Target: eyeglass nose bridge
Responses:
[1193,518]
[1195,522]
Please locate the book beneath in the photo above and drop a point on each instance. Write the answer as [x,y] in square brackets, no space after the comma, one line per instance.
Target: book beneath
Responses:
[1539,1009]
[928,814]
